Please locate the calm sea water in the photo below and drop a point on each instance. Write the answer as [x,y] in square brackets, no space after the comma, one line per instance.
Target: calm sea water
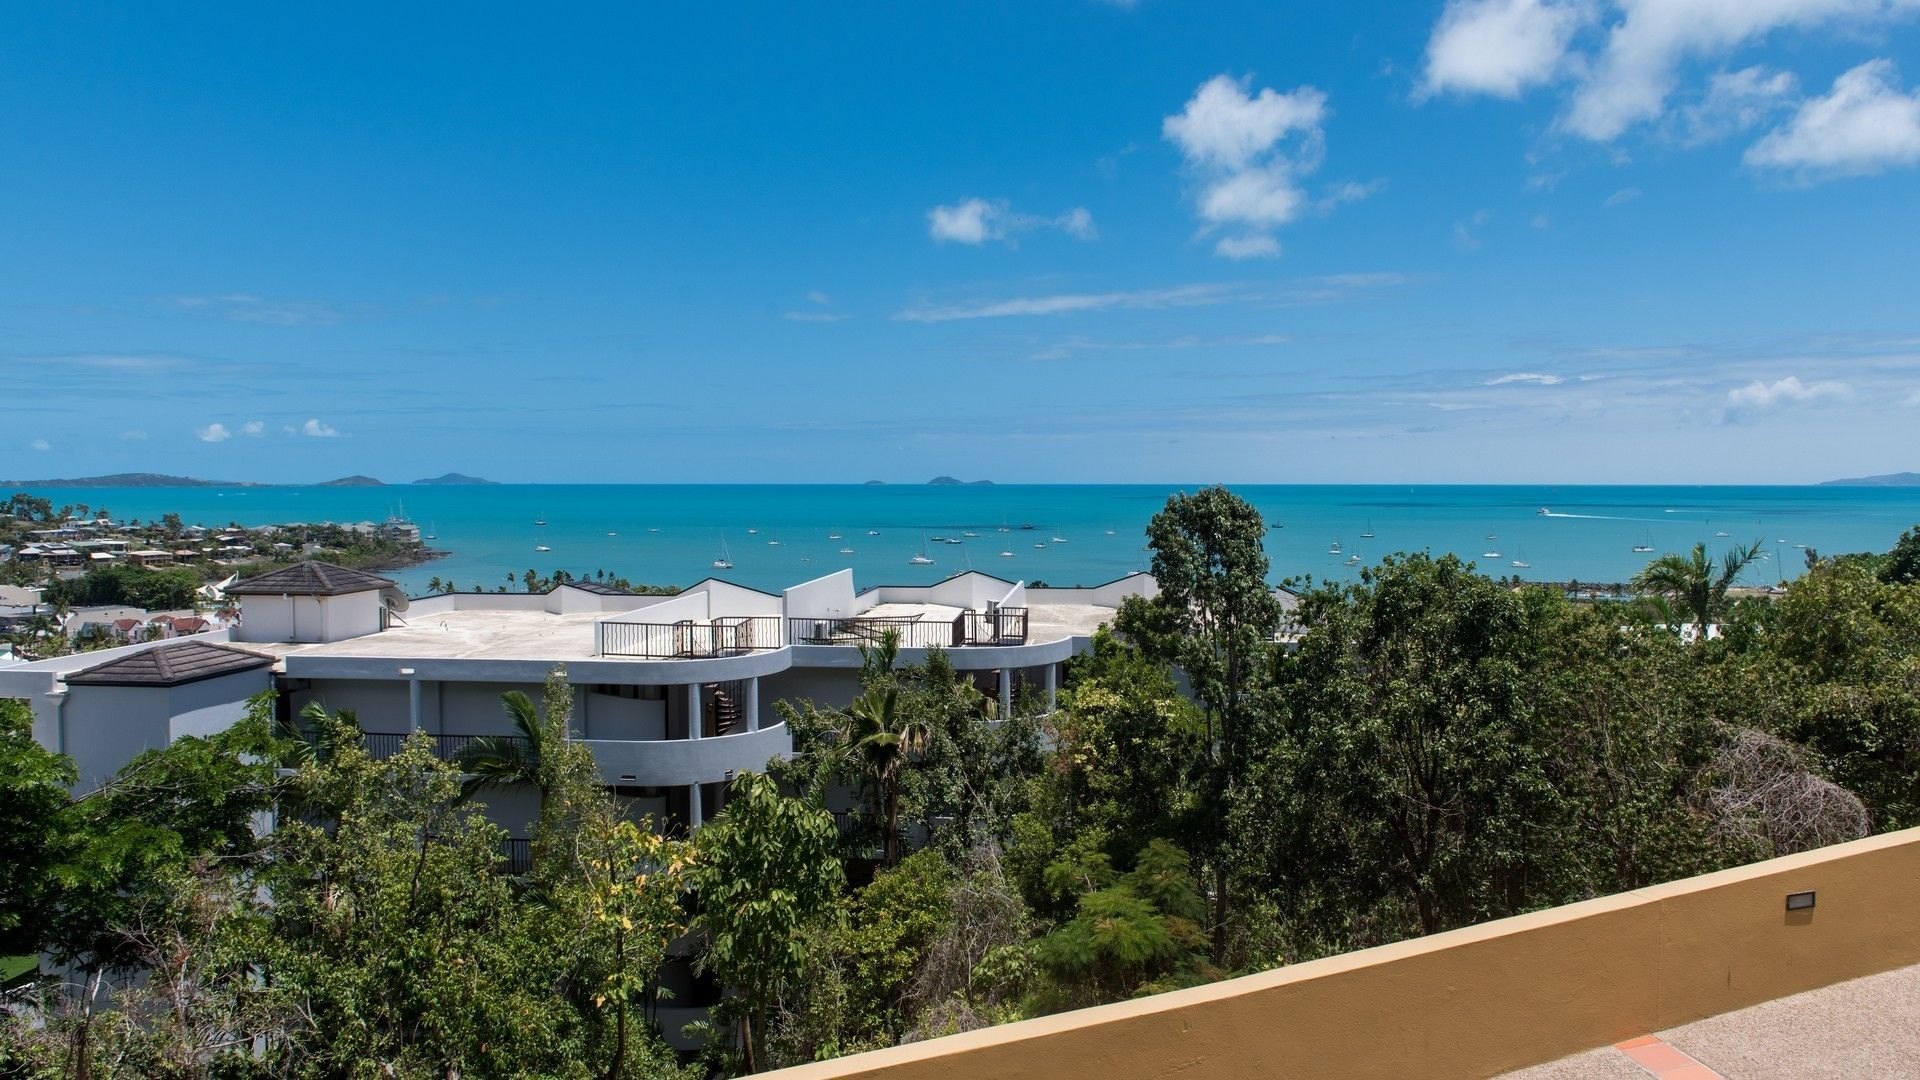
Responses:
[670,534]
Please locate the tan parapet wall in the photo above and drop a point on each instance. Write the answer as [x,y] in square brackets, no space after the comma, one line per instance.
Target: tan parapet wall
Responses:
[1482,1000]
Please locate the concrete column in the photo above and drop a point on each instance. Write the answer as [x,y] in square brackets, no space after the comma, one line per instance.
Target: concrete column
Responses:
[695,715]
[752,704]
[695,812]
[1052,681]
[1006,692]
[413,701]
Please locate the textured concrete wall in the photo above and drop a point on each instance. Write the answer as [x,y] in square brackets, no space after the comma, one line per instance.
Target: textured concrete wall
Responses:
[1483,1000]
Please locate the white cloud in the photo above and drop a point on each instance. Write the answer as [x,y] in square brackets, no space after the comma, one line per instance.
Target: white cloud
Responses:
[975,220]
[1736,101]
[1622,197]
[253,428]
[1527,377]
[1541,221]
[317,430]
[215,432]
[1638,68]
[1760,395]
[1257,246]
[41,445]
[1863,125]
[1500,47]
[133,435]
[1633,71]
[1250,151]
[1223,127]
[818,297]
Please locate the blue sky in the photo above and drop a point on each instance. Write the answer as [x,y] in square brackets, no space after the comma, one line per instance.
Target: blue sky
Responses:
[1661,241]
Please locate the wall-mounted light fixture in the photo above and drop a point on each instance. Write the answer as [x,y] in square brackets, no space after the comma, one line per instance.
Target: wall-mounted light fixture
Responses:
[1800,901]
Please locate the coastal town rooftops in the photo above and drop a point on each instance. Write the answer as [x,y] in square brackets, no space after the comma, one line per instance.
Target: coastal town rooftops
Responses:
[310,578]
[170,665]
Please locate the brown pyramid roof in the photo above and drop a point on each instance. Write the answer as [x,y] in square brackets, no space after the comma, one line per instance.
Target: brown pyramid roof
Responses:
[310,578]
[170,665]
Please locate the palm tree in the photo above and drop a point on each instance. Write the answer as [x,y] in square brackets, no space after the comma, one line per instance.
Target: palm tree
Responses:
[492,761]
[883,740]
[1692,584]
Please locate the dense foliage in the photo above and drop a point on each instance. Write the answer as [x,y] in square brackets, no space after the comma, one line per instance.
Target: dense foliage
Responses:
[1419,749]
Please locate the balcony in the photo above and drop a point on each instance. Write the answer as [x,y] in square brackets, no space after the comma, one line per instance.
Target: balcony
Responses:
[688,639]
[381,745]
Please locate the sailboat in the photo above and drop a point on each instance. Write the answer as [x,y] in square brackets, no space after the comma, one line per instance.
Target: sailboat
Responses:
[1368,535]
[1491,552]
[834,535]
[541,521]
[920,557]
[724,562]
[541,547]
[1333,548]
[1645,546]
[846,551]
[1007,554]
[1520,562]
[433,531]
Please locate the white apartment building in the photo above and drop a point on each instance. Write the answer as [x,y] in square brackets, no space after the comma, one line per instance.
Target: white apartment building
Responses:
[674,694]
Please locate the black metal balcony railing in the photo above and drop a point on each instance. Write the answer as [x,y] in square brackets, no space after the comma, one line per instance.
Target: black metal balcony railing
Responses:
[1004,626]
[690,640]
[382,745]
[516,857]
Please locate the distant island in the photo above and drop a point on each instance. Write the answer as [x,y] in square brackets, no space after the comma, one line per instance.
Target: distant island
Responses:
[130,479]
[163,480]
[1898,479]
[876,483]
[948,481]
[454,478]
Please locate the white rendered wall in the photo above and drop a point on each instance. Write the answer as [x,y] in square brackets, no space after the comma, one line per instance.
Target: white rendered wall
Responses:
[829,597]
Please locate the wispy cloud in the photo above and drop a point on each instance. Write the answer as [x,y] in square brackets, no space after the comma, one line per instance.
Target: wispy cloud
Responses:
[1293,292]
[133,435]
[1621,198]
[821,312]
[241,307]
[314,429]
[214,432]
[253,428]
[1074,346]
[1069,303]
[40,445]
[975,221]
[1527,377]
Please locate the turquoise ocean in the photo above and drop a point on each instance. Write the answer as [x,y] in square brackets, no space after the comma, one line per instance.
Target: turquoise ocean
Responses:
[671,534]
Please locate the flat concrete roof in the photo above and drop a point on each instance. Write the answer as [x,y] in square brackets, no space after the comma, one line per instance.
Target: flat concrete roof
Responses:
[451,635]
[542,635]
[1865,1027]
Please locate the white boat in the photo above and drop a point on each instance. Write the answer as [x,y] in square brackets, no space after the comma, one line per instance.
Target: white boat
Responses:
[433,531]
[1333,548]
[1722,533]
[1110,532]
[725,561]
[971,535]
[773,543]
[1006,554]
[846,551]
[611,533]
[1645,546]
[1042,547]
[1058,540]
[1521,564]
[541,547]
[1490,553]
[873,532]
[1353,560]
[1544,512]
[834,535]
[753,532]
[954,540]
[1368,535]
[920,557]
[540,521]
